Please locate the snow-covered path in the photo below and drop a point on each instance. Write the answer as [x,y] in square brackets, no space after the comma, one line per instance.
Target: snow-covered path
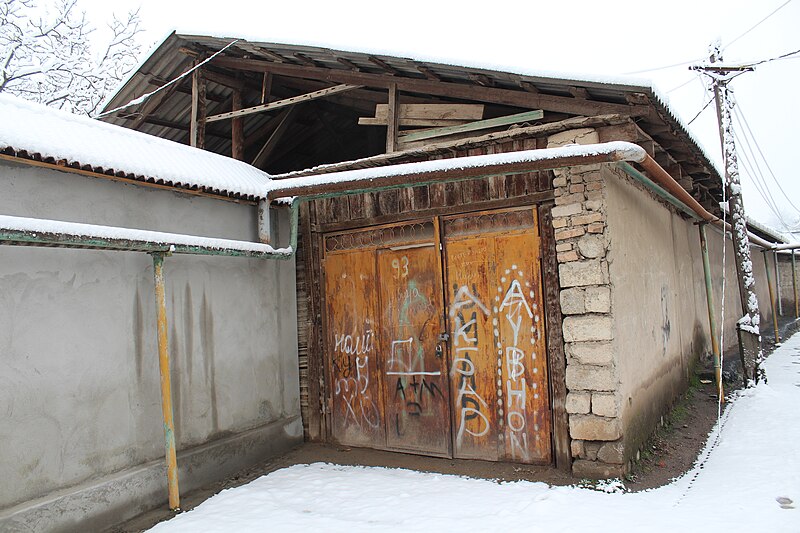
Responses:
[739,484]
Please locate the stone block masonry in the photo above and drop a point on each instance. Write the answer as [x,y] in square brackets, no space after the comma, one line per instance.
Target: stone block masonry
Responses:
[582,245]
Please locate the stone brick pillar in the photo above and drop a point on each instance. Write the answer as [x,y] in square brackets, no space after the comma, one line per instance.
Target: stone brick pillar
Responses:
[579,221]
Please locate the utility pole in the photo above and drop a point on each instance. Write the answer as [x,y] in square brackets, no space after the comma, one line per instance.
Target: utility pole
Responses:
[748,327]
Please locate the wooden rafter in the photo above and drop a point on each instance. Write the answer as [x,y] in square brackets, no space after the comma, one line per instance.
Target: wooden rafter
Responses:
[284,103]
[384,65]
[284,120]
[473,126]
[349,64]
[430,74]
[561,104]
[197,127]
[392,120]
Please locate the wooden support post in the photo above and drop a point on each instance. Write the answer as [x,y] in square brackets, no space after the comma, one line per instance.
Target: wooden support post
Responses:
[778,294]
[237,128]
[772,298]
[197,129]
[166,383]
[392,120]
[266,87]
[794,287]
[712,314]
[284,119]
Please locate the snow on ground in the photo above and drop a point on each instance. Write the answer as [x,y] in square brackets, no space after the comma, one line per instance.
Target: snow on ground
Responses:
[741,482]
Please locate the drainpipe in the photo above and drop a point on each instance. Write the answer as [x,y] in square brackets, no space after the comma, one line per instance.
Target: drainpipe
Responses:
[712,314]
[771,298]
[166,383]
[794,287]
[778,283]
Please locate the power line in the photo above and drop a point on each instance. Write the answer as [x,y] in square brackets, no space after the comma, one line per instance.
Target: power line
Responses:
[700,112]
[757,24]
[740,115]
[684,84]
[682,63]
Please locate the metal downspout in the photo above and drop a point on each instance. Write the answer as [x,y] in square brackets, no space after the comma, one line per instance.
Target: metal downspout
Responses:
[166,382]
[778,294]
[794,287]
[712,314]
[771,297]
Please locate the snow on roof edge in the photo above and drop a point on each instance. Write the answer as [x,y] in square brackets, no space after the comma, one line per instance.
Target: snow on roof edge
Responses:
[626,150]
[81,230]
[62,136]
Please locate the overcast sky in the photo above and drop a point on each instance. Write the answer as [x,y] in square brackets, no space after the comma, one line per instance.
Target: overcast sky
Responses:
[598,38]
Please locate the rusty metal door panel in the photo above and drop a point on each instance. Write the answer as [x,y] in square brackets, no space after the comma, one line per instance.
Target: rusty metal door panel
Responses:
[520,334]
[473,355]
[414,364]
[352,347]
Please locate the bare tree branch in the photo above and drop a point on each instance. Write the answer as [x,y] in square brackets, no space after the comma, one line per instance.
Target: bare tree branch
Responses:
[47,56]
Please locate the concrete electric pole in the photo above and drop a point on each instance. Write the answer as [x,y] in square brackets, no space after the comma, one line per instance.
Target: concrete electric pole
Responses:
[748,326]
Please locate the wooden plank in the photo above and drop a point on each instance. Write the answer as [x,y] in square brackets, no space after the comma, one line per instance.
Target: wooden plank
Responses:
[416,399]
[269,147]
[352,346]
[284,103]
[388,202]
[197,127]
[560,104]
[556,360]
[266,87]
[473,353]
[497,184]
[237,128]
[521,333]
[356,205]
[474,126]
[434,111]
[420,122]
[421,198]
[392,120]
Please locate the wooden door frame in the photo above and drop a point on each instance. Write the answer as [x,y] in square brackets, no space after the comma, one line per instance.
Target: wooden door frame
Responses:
[314,234]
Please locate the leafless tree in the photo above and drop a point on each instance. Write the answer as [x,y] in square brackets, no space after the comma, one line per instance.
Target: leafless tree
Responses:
[49,55]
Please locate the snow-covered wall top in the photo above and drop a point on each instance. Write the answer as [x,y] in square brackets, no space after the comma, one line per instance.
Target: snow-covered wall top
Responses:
[58,136]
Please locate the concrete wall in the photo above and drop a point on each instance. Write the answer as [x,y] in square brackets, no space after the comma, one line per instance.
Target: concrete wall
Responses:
[786,285]
[79,381]
[659,301]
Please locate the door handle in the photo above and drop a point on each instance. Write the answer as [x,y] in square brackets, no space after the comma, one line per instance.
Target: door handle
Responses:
[439,351]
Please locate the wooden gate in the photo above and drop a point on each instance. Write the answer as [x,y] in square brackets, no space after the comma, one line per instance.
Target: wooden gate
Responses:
[448,362]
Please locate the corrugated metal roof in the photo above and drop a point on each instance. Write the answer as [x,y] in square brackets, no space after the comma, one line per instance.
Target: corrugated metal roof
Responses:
[167,62]
[36,132]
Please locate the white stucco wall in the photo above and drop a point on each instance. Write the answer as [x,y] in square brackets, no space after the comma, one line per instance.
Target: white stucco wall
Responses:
[79,380]
[659,301]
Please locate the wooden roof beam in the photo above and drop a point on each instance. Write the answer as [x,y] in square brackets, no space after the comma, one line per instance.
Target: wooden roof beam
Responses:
[384,65]
[428,73]
[283,103]
[272,55]
[574,106]
[349,64]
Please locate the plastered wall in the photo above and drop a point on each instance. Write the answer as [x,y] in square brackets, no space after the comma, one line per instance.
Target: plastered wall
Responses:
[659,301]
[79,380]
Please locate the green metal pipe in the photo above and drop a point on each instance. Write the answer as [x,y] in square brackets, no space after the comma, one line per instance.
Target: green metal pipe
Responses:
[657,189]
[712,314]
[771,298]
[20,237]
[166,383]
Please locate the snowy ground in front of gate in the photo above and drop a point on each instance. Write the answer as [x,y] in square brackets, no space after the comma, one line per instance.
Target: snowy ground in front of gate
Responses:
[741,482]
